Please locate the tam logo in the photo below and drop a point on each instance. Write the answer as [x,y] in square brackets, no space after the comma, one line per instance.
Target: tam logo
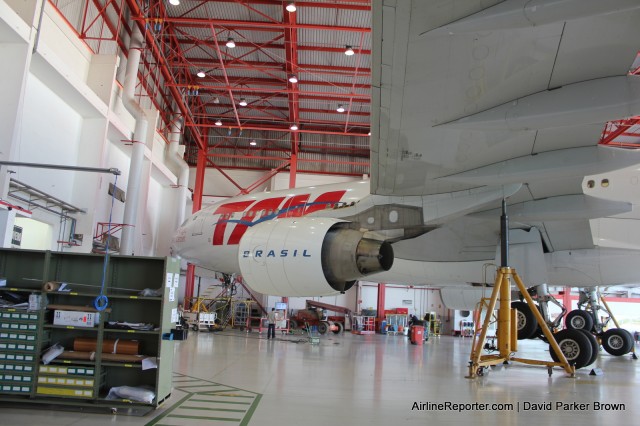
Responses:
[272,253]
[267,209]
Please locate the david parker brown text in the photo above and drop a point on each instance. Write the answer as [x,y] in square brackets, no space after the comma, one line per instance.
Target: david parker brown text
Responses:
[518,406]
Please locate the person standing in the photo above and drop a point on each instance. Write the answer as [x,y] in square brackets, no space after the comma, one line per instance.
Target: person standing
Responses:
[272,317]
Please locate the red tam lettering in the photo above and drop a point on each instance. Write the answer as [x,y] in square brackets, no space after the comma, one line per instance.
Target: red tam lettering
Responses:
[264,205]
[221,225]
[324,200]
[294,206]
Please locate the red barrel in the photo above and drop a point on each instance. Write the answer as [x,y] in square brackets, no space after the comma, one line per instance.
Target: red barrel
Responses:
[417,334]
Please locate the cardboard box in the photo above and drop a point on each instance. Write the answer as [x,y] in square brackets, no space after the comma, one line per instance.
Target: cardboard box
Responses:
[75,318]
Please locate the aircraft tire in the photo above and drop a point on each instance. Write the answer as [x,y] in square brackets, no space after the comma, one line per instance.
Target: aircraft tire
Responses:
[340,328]
[579,320]
[595,346]
[617,341]
[575,346]
[526,323]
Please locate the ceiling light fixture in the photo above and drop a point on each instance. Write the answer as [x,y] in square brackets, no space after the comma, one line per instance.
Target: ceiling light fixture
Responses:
[293,79]
[174,2]
[216,100]
[349,51]
[231,44]
[340,108]
[291,7]
[201,74]
[253,143]
[369,134]
[218,122]
[294,127]
[243,102]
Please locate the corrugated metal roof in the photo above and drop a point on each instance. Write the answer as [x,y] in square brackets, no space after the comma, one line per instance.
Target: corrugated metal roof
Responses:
[267,40]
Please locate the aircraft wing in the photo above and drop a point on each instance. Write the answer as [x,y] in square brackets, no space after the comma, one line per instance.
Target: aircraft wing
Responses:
[473,93]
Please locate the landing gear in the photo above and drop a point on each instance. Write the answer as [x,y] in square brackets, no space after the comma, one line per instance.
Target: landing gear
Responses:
[617,341]
[595,346]
[587,319]
[576,347]
[526,322]
[579,320]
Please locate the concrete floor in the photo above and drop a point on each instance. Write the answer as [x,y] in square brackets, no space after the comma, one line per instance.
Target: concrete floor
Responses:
[239,378]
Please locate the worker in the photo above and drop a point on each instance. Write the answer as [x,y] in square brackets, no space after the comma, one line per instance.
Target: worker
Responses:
[272,317]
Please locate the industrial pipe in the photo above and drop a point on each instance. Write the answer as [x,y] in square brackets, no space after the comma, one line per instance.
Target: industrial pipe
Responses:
[175,157]
[130,215]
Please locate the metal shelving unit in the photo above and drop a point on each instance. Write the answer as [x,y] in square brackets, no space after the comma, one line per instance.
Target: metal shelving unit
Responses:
[86,382]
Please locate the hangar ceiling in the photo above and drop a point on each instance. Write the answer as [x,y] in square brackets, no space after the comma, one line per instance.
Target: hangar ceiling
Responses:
[257,86]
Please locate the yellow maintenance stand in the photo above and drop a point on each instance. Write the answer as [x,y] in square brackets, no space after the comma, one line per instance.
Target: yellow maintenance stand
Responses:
[507,336]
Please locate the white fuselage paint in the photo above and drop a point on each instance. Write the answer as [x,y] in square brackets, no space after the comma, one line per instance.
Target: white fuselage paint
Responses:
[210,239]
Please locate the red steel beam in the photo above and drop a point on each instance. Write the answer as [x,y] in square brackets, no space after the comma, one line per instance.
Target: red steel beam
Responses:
[288,130]
[271,66]
[275,108]
[355,75]
[281,83]
[262,169]
[250,25]
[305,47]
[365,5]
[224,72]
[164,69]
[228,88]
[302,160]
[314,149]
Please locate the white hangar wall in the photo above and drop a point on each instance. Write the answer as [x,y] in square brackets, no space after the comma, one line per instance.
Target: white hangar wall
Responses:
[62,105]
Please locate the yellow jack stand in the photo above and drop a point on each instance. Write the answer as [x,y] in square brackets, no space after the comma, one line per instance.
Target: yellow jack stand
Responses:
[507,334]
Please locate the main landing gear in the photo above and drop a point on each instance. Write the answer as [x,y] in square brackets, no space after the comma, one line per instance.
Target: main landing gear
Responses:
[584,330]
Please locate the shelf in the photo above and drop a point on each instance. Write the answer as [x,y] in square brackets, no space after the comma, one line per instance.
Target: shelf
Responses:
[132,297]
[126,278]
[72,362]
[70,327]
[137,365]
[71,293]
[119,330]
[21,290]
[122,401]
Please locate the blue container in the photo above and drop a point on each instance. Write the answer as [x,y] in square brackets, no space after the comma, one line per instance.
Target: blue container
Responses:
[383,327]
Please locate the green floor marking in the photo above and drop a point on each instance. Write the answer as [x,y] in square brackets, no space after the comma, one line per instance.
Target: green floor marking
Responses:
[222,393]
[195,393]
[223,419]
[231,410]
[220,402]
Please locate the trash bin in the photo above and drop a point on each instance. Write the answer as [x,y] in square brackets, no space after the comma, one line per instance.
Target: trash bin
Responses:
[417,332]
[383,327]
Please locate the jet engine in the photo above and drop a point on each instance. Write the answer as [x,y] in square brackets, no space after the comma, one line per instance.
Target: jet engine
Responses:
[308,256]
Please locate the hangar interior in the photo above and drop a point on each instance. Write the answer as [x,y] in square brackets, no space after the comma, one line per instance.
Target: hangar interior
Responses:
[122,118]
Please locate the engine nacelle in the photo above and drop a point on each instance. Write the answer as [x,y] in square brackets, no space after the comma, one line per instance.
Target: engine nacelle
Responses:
[308,256]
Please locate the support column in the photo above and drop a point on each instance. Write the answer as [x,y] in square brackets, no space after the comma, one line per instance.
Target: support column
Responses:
[198,190]
[16,61]
[566,298]
[293,169]
[382,291]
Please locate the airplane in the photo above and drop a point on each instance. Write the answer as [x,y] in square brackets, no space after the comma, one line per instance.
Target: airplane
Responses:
[473,103]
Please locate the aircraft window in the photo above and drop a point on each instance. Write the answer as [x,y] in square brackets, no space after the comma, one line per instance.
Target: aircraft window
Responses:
[591,184]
